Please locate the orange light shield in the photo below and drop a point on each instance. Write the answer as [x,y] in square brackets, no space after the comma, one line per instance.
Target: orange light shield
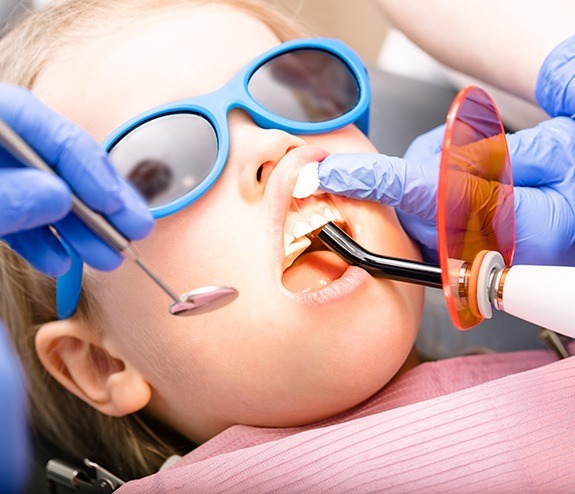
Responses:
[475,195]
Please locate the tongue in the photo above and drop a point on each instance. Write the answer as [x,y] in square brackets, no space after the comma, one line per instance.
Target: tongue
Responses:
[313,270]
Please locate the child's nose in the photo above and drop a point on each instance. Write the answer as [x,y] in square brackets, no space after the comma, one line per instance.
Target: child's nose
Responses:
[257,151]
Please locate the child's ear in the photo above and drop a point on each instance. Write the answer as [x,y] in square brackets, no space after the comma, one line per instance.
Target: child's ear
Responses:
[70,353]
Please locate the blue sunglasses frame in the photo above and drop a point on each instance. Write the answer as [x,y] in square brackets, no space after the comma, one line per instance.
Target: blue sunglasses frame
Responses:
[215,107]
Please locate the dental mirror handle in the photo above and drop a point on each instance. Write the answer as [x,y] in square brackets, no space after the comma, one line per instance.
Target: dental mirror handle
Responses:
[14,144]
[392,268]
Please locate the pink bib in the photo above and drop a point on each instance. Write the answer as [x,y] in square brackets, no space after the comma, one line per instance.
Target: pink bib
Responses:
[485,423]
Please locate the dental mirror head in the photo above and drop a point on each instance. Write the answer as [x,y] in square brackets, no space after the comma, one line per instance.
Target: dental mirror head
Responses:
[197,301]
[203,299]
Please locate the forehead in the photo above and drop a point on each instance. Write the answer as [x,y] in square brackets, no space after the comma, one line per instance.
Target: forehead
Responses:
[105,80]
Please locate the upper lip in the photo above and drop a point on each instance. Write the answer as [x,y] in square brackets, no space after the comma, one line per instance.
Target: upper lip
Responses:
[280,186]
[279,189]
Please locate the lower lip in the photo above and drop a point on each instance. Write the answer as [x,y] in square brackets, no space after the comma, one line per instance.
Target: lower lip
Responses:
[352,281]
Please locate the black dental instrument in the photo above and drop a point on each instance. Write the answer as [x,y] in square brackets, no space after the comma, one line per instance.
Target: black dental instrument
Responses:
[392,268]
[197,301]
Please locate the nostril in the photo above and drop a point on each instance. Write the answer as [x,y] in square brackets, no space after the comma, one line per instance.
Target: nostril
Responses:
[264,171]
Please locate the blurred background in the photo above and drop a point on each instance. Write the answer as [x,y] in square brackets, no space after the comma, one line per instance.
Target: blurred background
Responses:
[361,23]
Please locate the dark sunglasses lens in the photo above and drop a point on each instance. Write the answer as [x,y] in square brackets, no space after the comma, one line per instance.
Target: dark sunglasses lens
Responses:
[307,85]
[167,157]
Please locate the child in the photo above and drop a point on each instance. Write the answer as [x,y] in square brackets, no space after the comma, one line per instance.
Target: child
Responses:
[122,381]
[309,341]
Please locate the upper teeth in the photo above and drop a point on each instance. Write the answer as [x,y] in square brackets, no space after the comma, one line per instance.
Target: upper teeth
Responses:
[304,217]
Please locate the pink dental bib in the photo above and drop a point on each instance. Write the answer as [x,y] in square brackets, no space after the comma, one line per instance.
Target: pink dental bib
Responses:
[485,423]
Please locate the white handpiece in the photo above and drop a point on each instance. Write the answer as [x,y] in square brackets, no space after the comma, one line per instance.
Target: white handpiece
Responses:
[543,295]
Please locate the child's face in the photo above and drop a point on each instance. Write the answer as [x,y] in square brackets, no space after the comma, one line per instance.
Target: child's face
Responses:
[278,355]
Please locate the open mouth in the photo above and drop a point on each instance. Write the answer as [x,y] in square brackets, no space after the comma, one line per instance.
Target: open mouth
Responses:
[308,265]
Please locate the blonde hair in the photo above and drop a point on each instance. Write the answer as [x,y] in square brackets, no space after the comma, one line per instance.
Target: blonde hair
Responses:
[130,446]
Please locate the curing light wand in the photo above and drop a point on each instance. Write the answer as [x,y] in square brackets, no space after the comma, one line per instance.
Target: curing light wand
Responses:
[542,295]
[420,273]
[197,301]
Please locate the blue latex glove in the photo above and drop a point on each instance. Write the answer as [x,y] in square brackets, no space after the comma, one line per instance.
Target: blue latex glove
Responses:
[543,164]
[13,430]
[555,86]
[31,199]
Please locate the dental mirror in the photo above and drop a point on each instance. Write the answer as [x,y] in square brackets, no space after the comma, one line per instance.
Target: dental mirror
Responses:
[203,299]
[197,301]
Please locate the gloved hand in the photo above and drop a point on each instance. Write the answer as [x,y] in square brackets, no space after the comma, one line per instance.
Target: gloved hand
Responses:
[543,165]
[408,185]
[14,451]
[30,199]
[555,86]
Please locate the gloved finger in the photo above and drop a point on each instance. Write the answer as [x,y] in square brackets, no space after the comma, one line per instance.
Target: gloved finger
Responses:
[467,155]
[425,233]
[77,158]
[555,85]
[31,198]
[41,249]
[426,148]
[376,177]
[545,227]
[429,254]
[93,250]
[131,220]
[544,154]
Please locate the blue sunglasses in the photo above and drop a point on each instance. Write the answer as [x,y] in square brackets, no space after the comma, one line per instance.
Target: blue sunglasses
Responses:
[173,154]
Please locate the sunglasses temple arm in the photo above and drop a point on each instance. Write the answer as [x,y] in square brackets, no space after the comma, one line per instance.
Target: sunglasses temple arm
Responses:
[363,122]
